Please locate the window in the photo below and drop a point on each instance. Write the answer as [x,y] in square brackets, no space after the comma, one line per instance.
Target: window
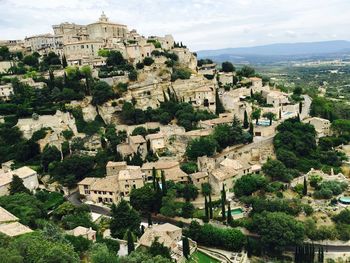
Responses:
[110,193]
[82,46]
[104,192]
[86,187]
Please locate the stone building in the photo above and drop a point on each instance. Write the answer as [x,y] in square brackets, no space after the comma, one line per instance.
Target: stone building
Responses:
[40,43]
[171,169]
[10,226]
[170,236]
[28,175]
[120,180]
[322,126]
[156,141]
[134,144]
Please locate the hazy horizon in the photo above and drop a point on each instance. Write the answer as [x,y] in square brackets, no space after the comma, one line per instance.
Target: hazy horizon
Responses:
[200,24]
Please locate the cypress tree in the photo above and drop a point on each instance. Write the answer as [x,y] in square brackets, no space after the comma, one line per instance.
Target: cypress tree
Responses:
[51,79]
[131,245]
[219,107]
[17,186]
[210,207]
[223,202]
[185,247]
[164,189]
[154,175]
[305,187]
[245,120]
[64,61]
[280,114]
[229,215]
[149,219]
[300,107]
[206,208]
[251,93]
[251,129]
[142,230]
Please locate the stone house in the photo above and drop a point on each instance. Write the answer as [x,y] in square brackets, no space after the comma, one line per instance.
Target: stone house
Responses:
[10,226]
[59,122]
[257,84]
[28,175]
[85,232]
[199,178]
[204,97]
[322,126]
[226,78]
[207,69]
[118,183]
[172,171]
[170,236]
[156,141]
[225,118]
[134,144]
[277,98]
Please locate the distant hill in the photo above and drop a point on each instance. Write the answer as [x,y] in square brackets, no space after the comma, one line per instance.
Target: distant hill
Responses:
[279,52]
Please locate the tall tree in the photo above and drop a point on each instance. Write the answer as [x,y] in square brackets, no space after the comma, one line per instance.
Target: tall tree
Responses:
[124,218]
[219,108]
[17,186]
[164,186]
[269,115]
[131,245]
[223,203]
[300,107]
[256,114]
[210,207]
[251,129]
[245,120]
[149,219]
[64,61]
[154,177]
[185,247]
[305,187]
[229,215]
[206,208]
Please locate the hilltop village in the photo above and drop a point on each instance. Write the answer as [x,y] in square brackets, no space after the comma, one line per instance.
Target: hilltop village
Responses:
[117,147]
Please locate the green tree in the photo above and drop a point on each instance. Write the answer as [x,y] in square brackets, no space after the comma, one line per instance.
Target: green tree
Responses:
[49,155]
[80,243]
[186,247]
[101,93]
[219,108]
[246,71]
[148,61]
[227,67]
[256,115]
[200,147]
[143,199]
[278,230]
[248,184]
[245,120]
[131,245]
[17,186]
[31,60]
[269,115]
[87,73]
[206,210]
[101,254]
[158,249]
[229,215]
[223,203]
[305,187]
[64,61]
[276,170]
[123,218]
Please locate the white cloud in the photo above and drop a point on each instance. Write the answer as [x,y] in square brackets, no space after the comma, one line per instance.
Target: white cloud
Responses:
[201,24]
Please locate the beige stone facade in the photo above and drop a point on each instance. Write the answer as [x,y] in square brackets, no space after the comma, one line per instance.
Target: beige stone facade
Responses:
[118,183]
[172,171]
[28,175]
[322,126]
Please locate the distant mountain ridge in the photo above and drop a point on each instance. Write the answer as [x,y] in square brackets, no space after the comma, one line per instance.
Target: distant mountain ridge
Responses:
[276,52]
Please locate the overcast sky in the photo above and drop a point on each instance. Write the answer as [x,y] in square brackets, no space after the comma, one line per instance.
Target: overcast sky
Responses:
[201,24]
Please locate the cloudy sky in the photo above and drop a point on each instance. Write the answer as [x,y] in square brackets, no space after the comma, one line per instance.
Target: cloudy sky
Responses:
[201,24]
